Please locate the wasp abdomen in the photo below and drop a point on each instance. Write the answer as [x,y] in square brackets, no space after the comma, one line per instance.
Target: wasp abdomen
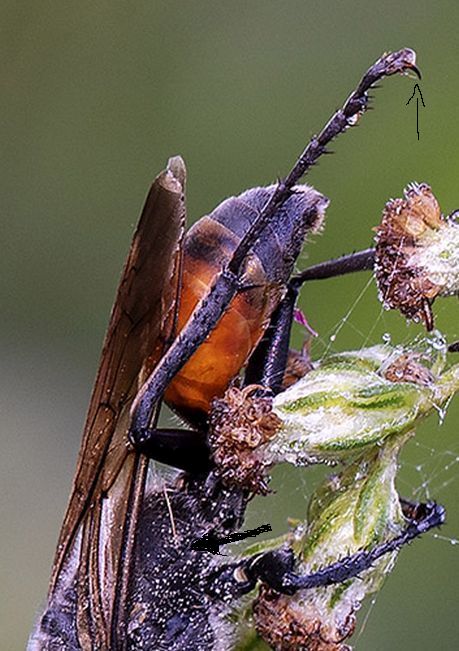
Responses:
[208,247]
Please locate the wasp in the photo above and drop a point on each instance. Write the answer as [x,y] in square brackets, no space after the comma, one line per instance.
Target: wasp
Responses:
[193,311]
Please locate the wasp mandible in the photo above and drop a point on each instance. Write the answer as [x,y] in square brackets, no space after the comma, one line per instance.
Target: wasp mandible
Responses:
[192,311]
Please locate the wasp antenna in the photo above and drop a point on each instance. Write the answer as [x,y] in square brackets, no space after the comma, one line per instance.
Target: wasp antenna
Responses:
[357,261]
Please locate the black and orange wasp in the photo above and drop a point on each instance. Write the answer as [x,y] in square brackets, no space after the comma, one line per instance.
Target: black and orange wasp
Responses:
[192,311]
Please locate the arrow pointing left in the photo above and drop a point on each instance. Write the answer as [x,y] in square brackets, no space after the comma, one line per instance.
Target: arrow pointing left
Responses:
[210,542]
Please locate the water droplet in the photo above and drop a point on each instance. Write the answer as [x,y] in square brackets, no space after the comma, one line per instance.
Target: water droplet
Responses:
[332,337]
[441,415]
[352,121]
[437,341]
[386,338]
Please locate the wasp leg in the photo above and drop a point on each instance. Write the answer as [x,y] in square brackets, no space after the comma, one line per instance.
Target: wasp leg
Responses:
[276,567]
[226,283]
[181,448]
[346,264]
[268,362]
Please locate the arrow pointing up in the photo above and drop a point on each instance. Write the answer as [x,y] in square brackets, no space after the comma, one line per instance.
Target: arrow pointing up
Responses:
[419,95]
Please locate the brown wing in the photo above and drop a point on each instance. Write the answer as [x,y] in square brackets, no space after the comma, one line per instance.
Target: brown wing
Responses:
[110,477]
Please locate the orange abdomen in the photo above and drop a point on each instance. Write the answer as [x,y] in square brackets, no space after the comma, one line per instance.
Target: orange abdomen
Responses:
[220,358]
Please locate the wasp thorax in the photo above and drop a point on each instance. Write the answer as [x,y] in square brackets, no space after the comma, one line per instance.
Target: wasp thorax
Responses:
[417,254]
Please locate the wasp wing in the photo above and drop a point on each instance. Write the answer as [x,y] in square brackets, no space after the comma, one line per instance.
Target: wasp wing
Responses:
[110,477]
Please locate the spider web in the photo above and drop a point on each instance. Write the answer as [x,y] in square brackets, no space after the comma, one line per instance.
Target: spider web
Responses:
[429,464]
[431,468]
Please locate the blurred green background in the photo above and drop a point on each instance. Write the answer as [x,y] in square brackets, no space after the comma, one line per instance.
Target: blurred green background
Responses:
[95,97]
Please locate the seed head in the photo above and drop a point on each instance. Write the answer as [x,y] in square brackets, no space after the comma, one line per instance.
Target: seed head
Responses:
[417,254]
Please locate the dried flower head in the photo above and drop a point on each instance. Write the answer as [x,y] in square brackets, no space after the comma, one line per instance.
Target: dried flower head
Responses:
[417,254]
[408,367]
[299,363]
[241,423]
[285,625]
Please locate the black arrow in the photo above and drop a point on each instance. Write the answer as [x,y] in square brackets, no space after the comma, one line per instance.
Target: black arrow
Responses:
[211,543]
[416,87]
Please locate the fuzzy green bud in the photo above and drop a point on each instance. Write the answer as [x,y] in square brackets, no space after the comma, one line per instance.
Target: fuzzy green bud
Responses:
[353,401]
[349,512]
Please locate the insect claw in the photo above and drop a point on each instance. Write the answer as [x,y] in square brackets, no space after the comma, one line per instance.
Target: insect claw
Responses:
[416,71]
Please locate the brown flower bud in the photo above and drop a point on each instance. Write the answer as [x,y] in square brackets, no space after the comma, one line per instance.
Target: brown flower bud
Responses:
[286,625]
[417,254]
[241,423]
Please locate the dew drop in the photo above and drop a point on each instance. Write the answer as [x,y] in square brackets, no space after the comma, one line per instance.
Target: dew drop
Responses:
[437,341]
[441,415]
[386,338]
[332,337]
